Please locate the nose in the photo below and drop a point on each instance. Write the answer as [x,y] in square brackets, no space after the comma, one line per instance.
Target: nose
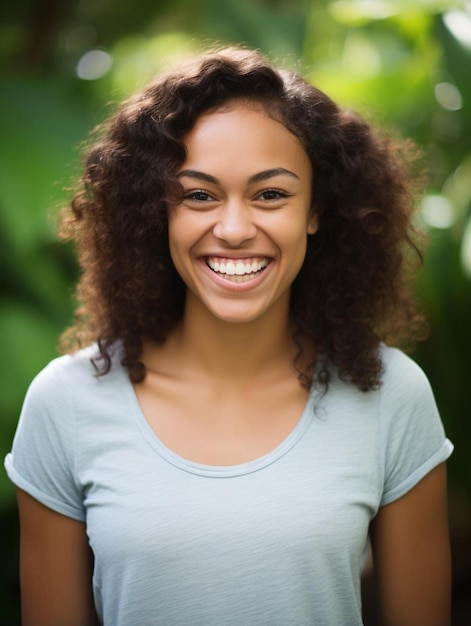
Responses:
[235,223]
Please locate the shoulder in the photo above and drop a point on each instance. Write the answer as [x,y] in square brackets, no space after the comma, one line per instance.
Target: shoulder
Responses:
[71,376]
[398,365]
[61,375]
[77,366]
[69,365]
[403,380]
[405,398]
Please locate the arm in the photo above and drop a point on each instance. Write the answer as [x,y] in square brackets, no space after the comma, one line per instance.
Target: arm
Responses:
[411,555]
[55,567]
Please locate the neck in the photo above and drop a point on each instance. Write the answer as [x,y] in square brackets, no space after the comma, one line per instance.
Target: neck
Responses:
[232,353]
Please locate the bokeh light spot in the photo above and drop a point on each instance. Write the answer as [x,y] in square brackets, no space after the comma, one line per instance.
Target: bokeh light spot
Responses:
[437,211]
[94,64]
[448,96]
[459,25]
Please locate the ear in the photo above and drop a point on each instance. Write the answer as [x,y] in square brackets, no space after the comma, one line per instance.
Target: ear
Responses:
[313,224]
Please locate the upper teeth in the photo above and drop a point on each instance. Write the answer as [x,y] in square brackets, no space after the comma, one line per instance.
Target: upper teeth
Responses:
[238,268]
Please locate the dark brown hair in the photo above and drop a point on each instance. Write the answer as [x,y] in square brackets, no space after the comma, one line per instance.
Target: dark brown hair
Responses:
[352,291]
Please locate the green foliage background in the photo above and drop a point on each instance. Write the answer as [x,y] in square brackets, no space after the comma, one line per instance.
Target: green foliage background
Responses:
[405,64]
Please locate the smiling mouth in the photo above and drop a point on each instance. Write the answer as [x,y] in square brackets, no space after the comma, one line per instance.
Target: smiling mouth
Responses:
[237,270]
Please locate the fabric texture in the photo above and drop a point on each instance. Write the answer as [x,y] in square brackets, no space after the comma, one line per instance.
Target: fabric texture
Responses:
[279,540]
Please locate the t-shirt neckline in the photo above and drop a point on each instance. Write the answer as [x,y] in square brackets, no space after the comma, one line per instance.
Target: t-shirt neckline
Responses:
[215,471]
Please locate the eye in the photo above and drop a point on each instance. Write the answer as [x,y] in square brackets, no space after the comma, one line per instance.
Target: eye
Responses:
[272,194]
[198,195]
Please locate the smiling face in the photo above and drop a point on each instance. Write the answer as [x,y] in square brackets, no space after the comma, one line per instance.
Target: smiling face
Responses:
[238,237]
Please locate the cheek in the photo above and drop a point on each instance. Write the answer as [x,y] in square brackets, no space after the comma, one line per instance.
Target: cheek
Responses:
[293,253]
[183,235]
[179,230]
[176,242]
[299,247]
[293,237]
[300,256]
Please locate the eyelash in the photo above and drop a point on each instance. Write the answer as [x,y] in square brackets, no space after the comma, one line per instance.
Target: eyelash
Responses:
[277,193]
[196,195]
[193,195]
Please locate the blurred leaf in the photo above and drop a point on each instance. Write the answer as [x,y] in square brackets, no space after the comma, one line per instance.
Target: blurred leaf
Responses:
[276,27]
[358,12]
[137,59]
[40,127]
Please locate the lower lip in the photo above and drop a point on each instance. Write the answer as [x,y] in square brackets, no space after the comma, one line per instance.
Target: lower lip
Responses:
[237,287]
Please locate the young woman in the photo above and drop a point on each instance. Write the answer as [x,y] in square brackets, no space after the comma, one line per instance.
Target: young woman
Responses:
[234,431]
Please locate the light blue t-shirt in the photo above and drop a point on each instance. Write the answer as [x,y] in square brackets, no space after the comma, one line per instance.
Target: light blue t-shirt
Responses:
[278,541]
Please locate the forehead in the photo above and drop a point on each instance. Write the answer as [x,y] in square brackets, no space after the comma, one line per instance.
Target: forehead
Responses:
[243,132]
[244,107]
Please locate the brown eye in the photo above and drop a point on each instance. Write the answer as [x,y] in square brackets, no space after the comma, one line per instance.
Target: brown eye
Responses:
[273,194]
[198,196]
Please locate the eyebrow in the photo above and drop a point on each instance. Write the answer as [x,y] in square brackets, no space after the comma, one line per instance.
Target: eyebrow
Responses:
[256,178]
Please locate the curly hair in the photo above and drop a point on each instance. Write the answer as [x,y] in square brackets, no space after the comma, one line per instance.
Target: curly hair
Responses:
[353,290]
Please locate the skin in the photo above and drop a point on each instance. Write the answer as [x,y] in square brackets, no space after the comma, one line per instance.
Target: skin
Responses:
[55,567]
[246,183]
[247,196]
[411,554]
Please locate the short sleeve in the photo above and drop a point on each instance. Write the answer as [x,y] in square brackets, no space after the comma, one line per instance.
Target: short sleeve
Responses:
[43,457]
[412,436]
